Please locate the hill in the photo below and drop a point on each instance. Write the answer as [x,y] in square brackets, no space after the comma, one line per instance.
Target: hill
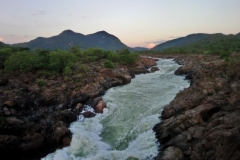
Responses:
[183,41]
[2,44]
[140,49]
[213,44]
[68,38]
[217,44]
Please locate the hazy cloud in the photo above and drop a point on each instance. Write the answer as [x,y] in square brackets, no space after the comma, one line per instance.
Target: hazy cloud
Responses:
[10,25]
[157,41]
[39,13]
[172,37]
[160,41]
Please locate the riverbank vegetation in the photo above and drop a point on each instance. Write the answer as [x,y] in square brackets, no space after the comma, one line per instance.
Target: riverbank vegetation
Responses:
[42,61]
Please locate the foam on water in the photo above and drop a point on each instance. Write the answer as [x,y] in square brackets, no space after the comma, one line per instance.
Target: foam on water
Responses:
[125,128]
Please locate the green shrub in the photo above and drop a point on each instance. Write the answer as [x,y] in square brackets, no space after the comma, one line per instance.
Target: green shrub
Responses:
[112,56]
[67,79]
[83,68]
[76,50]
[108,64]
[23,61]
[60,59]
[67,70]
[42,61]
[5,53]
[46,73]
[41,82]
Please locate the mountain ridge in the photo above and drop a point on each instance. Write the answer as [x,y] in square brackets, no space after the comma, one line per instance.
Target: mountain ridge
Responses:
[193,39]
[181,41]
[68,38]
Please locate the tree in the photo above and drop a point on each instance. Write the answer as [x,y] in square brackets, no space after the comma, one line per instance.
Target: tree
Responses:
[59,59]
[23,61]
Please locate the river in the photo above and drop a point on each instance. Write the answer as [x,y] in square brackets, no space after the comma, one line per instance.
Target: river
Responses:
[124,130]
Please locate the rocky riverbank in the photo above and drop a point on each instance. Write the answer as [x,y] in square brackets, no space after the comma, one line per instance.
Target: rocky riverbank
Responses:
[203,121]
[34,117]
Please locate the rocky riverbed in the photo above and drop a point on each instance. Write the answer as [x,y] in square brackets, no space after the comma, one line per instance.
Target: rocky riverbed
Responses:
[203,121]
[34,119]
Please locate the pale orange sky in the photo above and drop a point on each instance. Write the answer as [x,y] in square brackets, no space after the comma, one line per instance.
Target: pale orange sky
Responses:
[136,23]
[151,45]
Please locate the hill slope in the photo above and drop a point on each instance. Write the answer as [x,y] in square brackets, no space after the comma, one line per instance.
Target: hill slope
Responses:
[68,38]
[2,44]
[183,41]
[140,48]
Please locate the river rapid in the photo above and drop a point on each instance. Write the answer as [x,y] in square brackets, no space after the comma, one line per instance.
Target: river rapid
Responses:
[124,130]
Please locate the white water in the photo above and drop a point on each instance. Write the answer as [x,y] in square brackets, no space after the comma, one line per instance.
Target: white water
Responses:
[124,130]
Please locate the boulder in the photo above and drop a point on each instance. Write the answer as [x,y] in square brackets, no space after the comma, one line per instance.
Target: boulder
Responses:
[14,120]
[154,69]
[8,141]
[79,106]
[3,82]
[9,103]
[88,114]
[6,111]
[32,141]
[100,106]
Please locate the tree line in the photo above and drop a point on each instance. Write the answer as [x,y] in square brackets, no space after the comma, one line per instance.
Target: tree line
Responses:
[13,59]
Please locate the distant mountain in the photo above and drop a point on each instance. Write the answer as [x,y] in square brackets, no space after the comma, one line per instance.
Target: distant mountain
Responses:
[140,49]
[218,44]
[183,41]
[68,38]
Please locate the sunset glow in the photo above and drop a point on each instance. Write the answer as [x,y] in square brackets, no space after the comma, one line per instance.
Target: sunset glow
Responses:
[1,39]
[22,21]
[151,45]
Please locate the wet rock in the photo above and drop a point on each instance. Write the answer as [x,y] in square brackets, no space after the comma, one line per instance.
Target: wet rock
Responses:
[6,111]
[79,106]
[202,122]
[3,82]
[81,99]
[14,120]
[92,90]
[93,102]
[32,141]
[172,153]
[8,141]
[100,106]
[66,141]
[9,103]
[154,69]
[59,132]
[88,114]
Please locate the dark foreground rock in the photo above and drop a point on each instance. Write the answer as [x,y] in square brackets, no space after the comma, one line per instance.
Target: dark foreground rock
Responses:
[34,120]
[203,121]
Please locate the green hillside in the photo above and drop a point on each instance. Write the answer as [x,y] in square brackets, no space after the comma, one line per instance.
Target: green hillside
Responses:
[182,41]
[212,44]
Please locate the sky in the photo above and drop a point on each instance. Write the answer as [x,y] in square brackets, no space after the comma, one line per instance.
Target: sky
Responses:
[137,23]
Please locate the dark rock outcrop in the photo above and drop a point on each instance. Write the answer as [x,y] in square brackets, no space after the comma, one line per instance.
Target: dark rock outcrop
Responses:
[34,119]
[202,122]
[154,69]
